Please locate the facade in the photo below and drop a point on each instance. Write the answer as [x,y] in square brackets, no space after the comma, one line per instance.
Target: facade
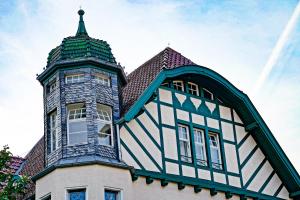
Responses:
[169,130]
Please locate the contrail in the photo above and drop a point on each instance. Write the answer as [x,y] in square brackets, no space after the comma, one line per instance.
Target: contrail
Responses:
[276,52]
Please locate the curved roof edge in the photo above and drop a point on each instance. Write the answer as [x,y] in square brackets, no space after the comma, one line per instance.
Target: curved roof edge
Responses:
[288,169]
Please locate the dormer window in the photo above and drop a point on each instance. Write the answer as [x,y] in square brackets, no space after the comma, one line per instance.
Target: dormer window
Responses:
[207,94]
[215,150]
[74,78]
[178,85]
[193,89]
[102,79]
[77,124]
[104,122]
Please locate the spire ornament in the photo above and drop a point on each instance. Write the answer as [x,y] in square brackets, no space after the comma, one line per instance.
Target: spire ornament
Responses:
[81,27]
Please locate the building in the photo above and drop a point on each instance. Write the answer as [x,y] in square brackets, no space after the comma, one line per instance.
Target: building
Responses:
[169,130]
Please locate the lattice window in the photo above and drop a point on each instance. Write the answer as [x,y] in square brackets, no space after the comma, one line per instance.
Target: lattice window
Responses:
[193,88]
[77,125]
[215,151]
[104,121]
[207,94]
[53,130]
[178,85]
[75,78]
[200,147]
[185,147]
[102,79]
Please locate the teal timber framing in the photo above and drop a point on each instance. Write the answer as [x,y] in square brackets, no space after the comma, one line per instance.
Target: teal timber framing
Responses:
[242,104]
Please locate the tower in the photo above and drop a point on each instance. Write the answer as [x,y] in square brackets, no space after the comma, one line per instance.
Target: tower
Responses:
[81,85]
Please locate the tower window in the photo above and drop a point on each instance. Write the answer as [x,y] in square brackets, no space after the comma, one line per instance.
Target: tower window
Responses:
[104,122]
[52,86]
[102,79]
[74,78]
[178,85]
[184,139]
[193,88]
[200,147]
[53,130]
[78,194]
[77,125]
[207,94]
[215,151]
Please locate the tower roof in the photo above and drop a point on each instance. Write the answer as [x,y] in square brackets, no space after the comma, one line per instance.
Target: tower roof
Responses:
[81,46]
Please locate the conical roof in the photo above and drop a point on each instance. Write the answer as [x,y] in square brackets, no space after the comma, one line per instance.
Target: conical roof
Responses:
[81,46]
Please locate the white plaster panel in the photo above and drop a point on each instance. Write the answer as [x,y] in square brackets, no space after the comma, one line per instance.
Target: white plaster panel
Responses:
[196,102]
[240,133]
[183,115]
[137,150]
[225,113]
[204,174]
[231,158]
[181,98]
[234,181]
[236,117]
[165,96]
[220,178]
[188,171]
[170,143]
[172,168]
[212,123]
[150,126]
[227,130]
[210,106]
[246,148]
[261,177]
[146,141]
[126,157]
[272,186]
[167,115]
[284,194]
[198,119]
[152,109]
[252,165]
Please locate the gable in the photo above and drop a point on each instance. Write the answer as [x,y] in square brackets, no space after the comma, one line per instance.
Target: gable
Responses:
[150,140]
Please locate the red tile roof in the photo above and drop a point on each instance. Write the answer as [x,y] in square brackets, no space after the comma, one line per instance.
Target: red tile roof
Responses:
[140,78]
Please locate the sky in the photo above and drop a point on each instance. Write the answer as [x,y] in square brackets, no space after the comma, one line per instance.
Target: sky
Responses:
[238,39]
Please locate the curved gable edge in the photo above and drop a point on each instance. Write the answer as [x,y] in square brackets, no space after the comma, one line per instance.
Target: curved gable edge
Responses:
[263,135]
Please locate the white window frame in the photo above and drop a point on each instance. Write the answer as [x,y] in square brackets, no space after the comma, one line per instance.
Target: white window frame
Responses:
[105,114]
[69,189]
[102,79]
[165,84]
[52,129]
[211,146]
[192,90]
[74,78]
[178,85]
[201,145]
[206,90]
[188,154]
[81,119]
[118,190]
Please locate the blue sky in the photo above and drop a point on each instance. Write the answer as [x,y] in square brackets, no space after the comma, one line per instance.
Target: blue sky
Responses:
[234,38]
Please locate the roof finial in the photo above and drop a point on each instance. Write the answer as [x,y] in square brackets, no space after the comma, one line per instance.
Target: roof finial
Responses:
[81,27]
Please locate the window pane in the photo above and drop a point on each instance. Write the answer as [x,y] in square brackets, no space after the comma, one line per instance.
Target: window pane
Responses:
[77,126]
[111,195]
[214,155]
[77,138]
[77,195]
[104,131]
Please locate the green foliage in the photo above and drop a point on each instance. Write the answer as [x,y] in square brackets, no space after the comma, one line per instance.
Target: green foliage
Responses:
[11,185]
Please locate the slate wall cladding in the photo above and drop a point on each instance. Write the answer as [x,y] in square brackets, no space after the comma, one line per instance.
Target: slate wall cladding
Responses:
[90,93]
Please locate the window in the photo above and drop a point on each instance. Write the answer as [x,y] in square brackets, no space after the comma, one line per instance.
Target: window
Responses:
[207,94]
[215,151]
[165,84]
[102,79]
[112,195]
[104,122]
[178,85]
[77,125]
[53,130]
[200,147]
[184,139]
[78,194]
[193,88]
[75,78]
[52,86]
